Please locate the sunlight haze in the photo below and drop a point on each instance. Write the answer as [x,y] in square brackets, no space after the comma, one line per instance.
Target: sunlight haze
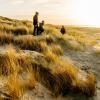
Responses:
[67,12]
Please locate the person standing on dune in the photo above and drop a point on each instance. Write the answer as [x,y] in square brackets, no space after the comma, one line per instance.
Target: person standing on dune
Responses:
[35,24]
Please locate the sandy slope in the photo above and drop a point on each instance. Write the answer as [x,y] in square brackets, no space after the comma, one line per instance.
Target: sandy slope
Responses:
[86,60]
[80,59]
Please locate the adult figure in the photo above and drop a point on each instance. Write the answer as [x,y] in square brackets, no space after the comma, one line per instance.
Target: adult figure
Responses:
[35,24]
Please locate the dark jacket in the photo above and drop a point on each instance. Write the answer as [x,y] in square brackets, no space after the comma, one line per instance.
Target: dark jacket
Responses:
[40,28]
[63,31]
[35,20]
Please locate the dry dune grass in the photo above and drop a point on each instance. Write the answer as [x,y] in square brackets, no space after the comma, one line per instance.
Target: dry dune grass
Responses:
[59,80]
[22,30]
[28,42]
[49,39]
[63,77]
[56,49]
[64,80]
[16,27]
[87,85]
[13,64]
[69,42]
[75,38]
[27,23]
[6,28]
[6,38]
[11,67]
[74,45]
[13,61]
[29,26]
[51,57]
[51,30]
[14,86]
[82,35]
[59,77]
[8,62]
[20,85]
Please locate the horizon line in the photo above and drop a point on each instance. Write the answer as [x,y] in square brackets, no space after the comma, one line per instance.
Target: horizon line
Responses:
[74,25]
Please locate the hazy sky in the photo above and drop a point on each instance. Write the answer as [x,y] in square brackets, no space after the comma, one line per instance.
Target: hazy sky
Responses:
[75,12]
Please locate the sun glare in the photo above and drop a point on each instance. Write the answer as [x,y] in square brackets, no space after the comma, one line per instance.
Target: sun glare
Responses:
[86,12]
[69,12]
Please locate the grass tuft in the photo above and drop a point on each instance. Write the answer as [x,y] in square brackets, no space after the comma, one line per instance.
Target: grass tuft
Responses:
[6,38]
[22,30]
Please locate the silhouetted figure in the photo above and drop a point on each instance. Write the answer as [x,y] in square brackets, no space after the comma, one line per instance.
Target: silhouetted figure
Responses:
[41,28]
[63,31]
[35,23]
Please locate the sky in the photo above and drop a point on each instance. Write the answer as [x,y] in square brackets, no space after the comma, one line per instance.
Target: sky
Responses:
[67,12]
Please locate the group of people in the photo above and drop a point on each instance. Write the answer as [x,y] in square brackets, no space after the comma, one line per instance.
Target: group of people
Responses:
[39,27]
